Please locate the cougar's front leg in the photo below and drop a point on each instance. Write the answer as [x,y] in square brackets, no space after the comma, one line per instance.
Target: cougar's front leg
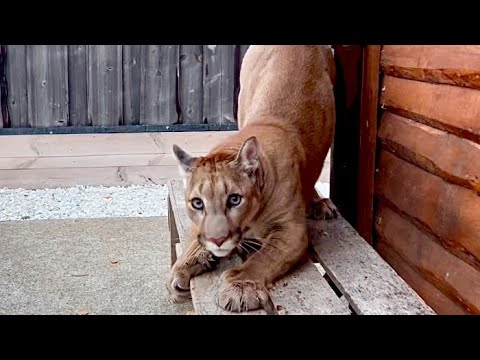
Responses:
[321,208]
[244,287]
[195,260]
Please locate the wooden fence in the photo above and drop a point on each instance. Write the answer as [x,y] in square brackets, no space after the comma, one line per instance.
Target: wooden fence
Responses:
[61,86]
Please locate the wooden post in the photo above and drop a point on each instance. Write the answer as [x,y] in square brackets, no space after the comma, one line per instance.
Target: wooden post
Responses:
[344,167]
[368,136]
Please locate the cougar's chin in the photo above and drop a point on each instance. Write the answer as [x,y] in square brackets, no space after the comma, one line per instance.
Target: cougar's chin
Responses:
[221,251]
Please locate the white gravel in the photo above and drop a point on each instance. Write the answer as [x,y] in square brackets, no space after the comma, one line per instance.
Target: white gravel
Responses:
[83,202]
[90,202]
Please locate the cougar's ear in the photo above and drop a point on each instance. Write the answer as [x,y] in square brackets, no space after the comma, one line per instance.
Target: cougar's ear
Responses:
[247,157]
[186,161]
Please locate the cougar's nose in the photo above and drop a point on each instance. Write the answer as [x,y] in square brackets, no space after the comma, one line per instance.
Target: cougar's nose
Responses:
[218,241]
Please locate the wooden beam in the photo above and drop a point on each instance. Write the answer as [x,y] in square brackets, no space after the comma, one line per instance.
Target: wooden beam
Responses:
[368,136]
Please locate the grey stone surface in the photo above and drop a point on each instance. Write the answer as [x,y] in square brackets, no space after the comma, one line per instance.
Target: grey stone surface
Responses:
[99,266]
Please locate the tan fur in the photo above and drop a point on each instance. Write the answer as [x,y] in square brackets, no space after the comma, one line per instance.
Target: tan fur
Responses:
[286,118]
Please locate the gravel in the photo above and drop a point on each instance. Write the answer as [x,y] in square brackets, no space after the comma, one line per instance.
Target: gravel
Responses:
[83,202]
[90,202]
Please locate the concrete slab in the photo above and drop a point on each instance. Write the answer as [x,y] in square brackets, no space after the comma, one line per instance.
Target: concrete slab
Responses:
[94,266]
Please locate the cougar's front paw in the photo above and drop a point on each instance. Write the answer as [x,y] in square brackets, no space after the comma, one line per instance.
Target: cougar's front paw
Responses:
[237,295]
[321,209]
[178,285]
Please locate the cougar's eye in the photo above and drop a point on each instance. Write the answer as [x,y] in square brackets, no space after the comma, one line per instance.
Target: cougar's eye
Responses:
[234,200]
[197,203]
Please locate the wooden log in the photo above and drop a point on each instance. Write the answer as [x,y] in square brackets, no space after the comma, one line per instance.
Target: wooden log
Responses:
[105,176]
[368,140]
[369,284]
[456,279]
[14,146]
[449,108]
[77,85]
[218,84]
[105,85]
[47,85]
[444,64]
[439,302]
[132,64]
[158,101]
[16,72]
[448,156]
[191,84]
[451,214]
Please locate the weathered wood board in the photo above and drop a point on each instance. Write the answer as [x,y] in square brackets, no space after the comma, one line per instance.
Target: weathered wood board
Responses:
[190,90]
[47,85]
[77,85]
[16,72]
[367,281]
[14,146]
[105,176]
[439,302]
[218,84]
[132,63]
[158,84]
[105,98]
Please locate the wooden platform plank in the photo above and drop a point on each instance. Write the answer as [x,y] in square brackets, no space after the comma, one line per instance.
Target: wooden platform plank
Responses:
[446,64]
[106,176]
[448,212]
[107,144]
[438,152]
[449,108]
[304,291]
[455,278]
[368,282]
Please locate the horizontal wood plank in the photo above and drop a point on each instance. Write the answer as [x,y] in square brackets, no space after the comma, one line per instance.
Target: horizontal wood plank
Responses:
[449,213]
[450,108]
[439,302]
[448,156]
[106,176]
[304,291]
[445,64]
[90,161]
[107,144]
[367,281]
[455,278]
